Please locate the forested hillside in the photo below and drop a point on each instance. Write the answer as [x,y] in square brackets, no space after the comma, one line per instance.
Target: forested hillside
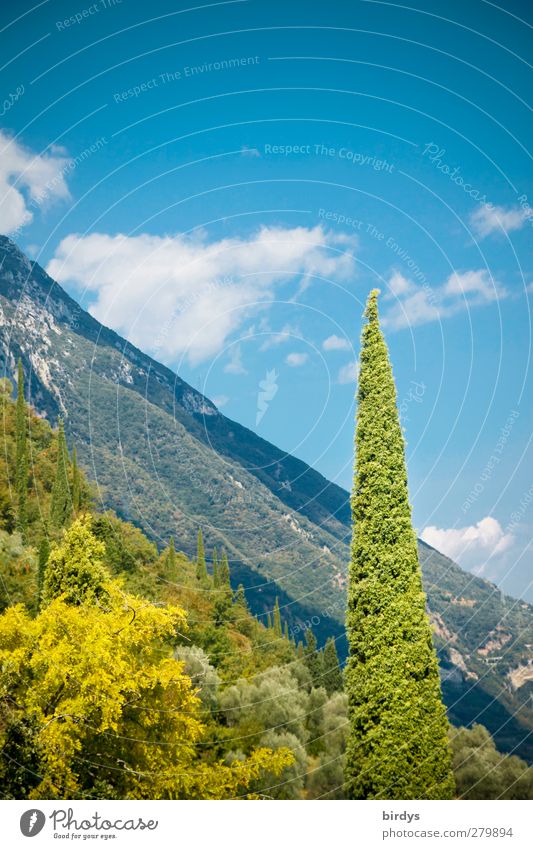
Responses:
[163,457]
[133,672]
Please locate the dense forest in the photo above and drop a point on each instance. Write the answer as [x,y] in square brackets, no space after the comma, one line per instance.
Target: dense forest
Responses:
[132,672]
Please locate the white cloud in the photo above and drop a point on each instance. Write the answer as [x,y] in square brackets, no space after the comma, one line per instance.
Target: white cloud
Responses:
[295,360]
[234,365]
[336,343]
[288,331]
[485,539]
[27,181]
[251,152]
[185,295]
[472,283]
[348,373]
[416,305]
[489,219]
[400,285]
[221,401]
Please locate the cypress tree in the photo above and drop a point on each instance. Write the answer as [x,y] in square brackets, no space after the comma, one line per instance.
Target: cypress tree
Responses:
[224,574]
[76,483]
[21,468]
[201,568]
[332,677]
[300,650]
[269,621]
[286,631]
[216,574]
[277,619]
[313,658]
[397,747]
[240,597]
[171,555]
[61,506]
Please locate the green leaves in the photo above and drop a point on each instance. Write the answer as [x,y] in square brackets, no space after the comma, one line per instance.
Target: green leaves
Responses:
[398,746]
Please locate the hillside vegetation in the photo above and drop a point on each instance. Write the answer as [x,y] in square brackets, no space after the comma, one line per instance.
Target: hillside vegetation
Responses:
[133,672]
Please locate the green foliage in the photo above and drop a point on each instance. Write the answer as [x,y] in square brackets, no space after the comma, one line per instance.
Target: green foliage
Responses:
[127,549]
[240,597]
[201,568]
[224,572]
[313,658]
[315,719]
[18,572]
[93,686]
[398,746]
[171,555]
[61,507]
[326,776]
[76,483]
[481,772]
[277,620]
[216,576]
[203,675]
[44,554]
[75,570]
[332,675]
[21,474]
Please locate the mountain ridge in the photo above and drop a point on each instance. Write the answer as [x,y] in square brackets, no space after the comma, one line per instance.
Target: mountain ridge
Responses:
[164,457]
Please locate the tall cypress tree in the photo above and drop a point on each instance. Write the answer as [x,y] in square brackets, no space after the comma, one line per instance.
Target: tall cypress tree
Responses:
[332,677]
[216,574]
[171,555]
[223,571]
[277,619]
[240,597]
[397,748]
[313,658]
[76,483]
[21,468]
[61,506]
[201,568]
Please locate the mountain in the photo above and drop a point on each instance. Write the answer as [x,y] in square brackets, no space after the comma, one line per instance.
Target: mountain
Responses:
[164,457]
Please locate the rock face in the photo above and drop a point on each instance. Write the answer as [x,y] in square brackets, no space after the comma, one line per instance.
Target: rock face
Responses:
[164,457]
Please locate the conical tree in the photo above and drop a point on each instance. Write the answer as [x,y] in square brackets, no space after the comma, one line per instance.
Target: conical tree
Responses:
[216,573]
[171,555]
[240,597]
[75,567]
[201,568]
[286,631]
[223,571]
[76,483]
[277,619]
[61,506]
[397,747]
[313,658]
[332,675]
[21,470]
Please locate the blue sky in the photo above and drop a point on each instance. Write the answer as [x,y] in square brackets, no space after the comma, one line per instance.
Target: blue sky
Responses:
[223,185]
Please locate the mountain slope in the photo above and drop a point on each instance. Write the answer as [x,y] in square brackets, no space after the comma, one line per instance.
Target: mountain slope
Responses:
[165,458]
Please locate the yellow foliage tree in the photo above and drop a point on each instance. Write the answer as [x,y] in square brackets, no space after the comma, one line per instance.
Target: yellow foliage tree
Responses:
[102,707]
